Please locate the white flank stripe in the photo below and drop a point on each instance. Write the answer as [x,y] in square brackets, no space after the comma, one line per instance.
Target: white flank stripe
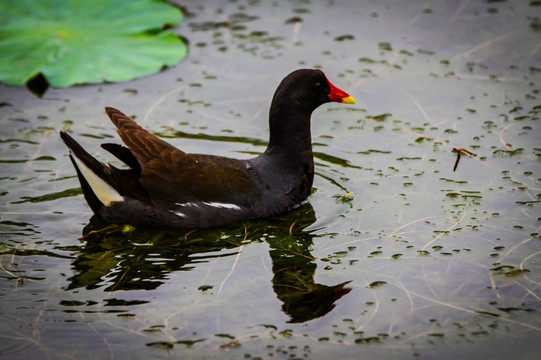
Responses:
[178,213]
[105,192]
[222,205]
[186,204]
[213,204]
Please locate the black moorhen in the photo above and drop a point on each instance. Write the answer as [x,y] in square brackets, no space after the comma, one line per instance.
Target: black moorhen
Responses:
[166,186]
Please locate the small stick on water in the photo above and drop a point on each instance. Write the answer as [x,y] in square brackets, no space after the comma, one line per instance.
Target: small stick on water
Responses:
[345,195]
[457,160]
[188,233]
[291,227]
[461,151]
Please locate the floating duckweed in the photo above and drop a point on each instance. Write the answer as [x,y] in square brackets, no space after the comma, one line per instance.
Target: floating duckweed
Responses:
[344,37]
[425,52]
[385,46]
[376,284]
[293,20]
[161,345]
[381,117]
[508,153]
[509,271]
[367,340]
[436,334]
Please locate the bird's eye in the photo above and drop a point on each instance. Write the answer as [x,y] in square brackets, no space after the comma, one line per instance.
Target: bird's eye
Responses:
[318,85]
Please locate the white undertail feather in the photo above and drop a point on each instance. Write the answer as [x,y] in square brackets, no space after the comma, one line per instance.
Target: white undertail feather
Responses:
[104,192]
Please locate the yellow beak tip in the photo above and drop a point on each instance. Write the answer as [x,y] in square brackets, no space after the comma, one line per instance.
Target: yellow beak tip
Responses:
[348,100]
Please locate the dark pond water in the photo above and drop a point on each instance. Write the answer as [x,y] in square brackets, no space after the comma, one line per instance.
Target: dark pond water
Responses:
[394,255]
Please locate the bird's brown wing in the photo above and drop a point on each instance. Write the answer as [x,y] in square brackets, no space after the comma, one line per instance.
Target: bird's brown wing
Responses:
[170,175]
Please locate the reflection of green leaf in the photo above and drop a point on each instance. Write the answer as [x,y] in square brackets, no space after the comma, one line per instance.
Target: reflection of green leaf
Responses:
[77,41]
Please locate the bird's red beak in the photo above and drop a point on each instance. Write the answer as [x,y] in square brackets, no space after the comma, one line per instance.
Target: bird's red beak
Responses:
[339,95]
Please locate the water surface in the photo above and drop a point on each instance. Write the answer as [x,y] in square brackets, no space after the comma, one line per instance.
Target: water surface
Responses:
[394,254]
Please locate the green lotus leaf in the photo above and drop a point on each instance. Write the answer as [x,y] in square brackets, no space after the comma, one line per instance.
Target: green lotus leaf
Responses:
[86,41]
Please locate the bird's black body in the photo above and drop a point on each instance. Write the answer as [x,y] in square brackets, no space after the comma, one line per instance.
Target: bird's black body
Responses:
[166,186]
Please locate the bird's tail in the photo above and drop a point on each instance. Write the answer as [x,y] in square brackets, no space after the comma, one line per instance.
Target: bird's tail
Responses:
[98,184]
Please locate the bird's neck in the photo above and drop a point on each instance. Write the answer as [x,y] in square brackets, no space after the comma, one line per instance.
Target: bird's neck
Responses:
[288,162]
[290,133]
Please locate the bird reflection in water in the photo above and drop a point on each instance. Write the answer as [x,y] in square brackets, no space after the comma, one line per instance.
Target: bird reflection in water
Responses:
[110,258]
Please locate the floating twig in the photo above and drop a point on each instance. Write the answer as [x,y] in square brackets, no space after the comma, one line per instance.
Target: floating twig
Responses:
[501,136]
[291,227]
[461,151]
[188,233]
[345,195]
